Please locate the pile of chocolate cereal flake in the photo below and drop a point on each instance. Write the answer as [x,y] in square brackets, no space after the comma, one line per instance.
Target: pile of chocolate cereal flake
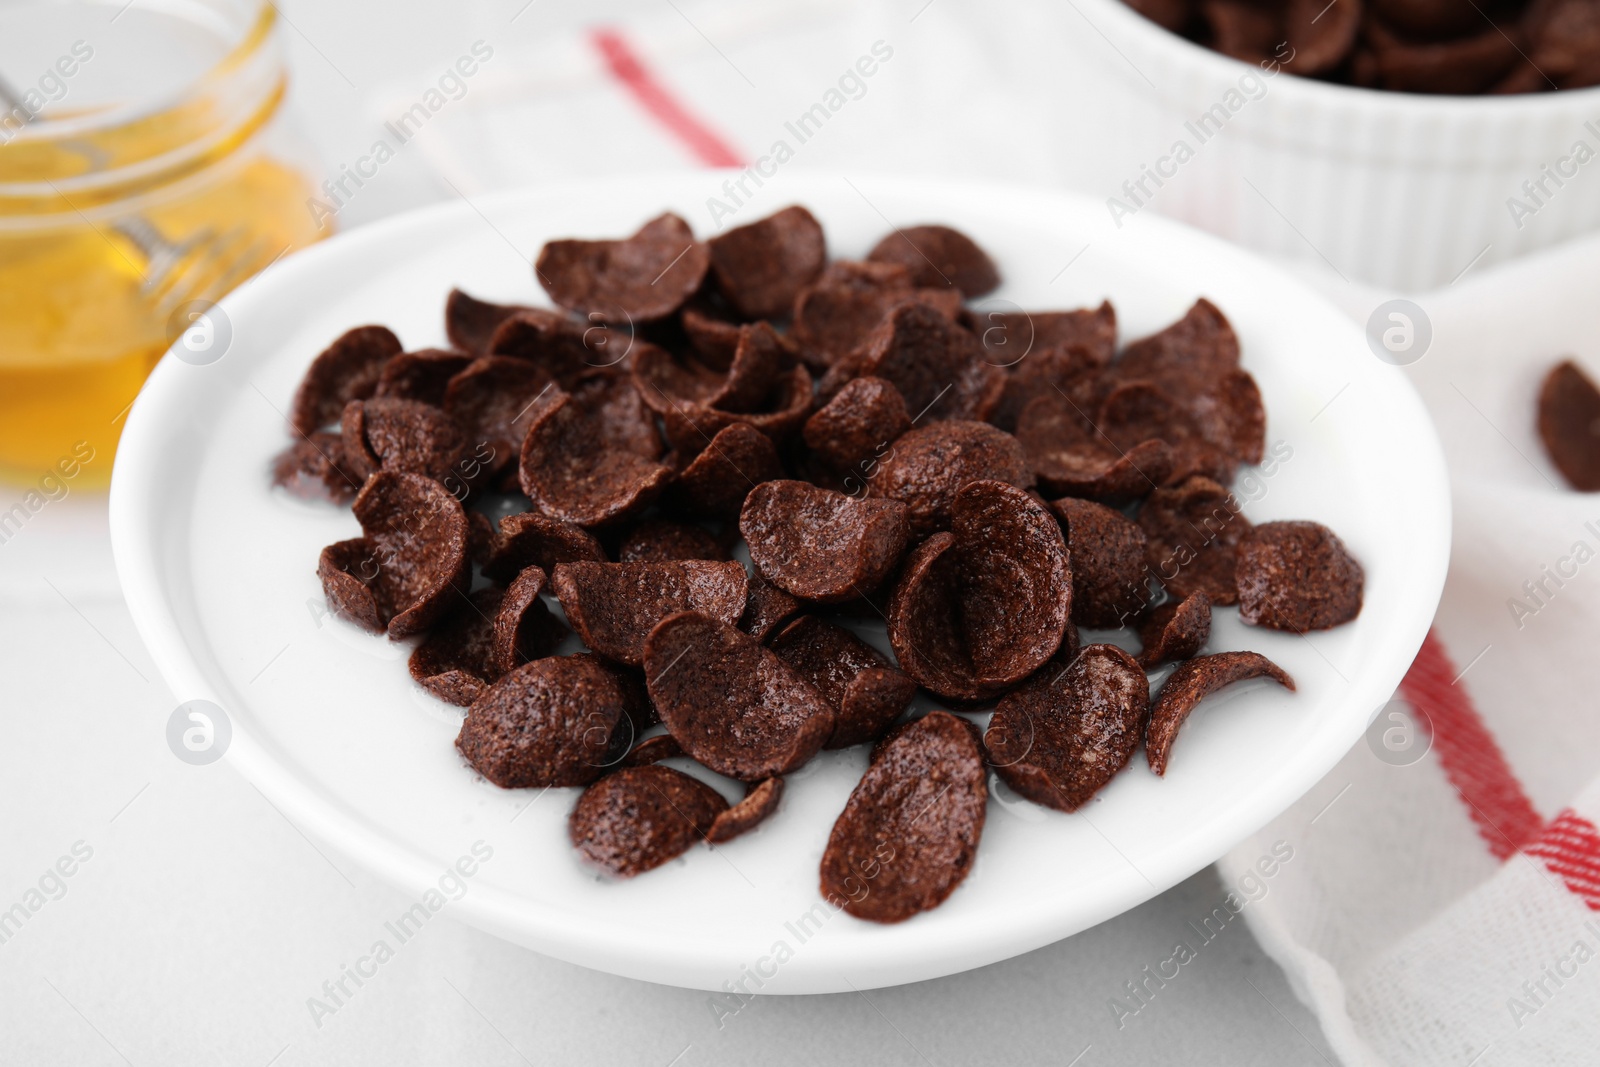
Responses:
[883,455]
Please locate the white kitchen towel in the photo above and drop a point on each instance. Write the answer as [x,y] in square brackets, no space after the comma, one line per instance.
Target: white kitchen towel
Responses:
[1443,909]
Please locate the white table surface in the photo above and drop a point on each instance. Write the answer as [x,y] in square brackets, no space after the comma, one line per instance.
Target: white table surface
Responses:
[203,920]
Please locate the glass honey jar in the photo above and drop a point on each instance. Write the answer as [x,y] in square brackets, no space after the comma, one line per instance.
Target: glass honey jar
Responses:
[146,168]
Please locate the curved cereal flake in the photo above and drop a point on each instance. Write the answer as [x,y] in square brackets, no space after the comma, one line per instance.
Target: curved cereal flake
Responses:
[1319,43]
[766,608]
[523,628]
[411,560]
[570,470]
[1193,533]
[1200,348]
[565,349]
[614,606]
[1175,630]
[1067,374]
[548,723]
[1068,459]
[759,803]
[1242,30]
[867,693]
[938,366]
[421,376]
[617,413]
[346,370]
[979,609]
[313,467]
[470,322]
[495,399]
[691,427]
[854,430]
[529,539]
[715,483]
[909,833]
[939,256]
[404,436]
[1006,335]
[820,545]
[640,817]
[1109,572]
[713,340]
[652,750]
[1569,425]
[927,466]
[1059,739]
[661,540]
[638,279]
[665,381]
[1139,411]
[1297,576]
[454,662]
[1189,684]
[731,702]
[837,315]
[761,267]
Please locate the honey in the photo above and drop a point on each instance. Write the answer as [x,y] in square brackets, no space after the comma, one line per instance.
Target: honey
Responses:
[117,221]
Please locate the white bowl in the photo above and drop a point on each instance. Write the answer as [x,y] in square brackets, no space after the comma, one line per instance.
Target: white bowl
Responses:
[1399,190]
[218,570]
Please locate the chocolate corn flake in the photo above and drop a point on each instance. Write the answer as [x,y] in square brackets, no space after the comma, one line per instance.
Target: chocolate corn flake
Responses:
[454,662]
[665,381]
[909,833]
[938,366]
[314,467]
[731,703]
[1190,683]
[403,436]
[529,539]
[570,469]
[766,608]
[495,399]
[820,545]
[717,480]
[660,540]
[652,750]
[1569,425]
[640,817]
[979,609]
[760,268]
[1109,572]
[1069,459]
[1010,337]
[614,606]
[547,723]
[421,376]
[855,429]
[691,427]
[927,466]
[867,693]
[758,805]
[938,256]
[837,315]
[713,340]
[410,564]
[637,279]
[1297,576]
[1061,737]
[348,369]
[1175,630]
[564,349]
[523,628]
[470,322]
[1194,530]
[1066,374]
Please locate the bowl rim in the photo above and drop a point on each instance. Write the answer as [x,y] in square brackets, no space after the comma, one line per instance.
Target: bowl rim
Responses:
[1372,103]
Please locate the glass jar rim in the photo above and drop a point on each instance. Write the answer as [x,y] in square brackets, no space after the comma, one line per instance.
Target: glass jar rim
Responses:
[121,151]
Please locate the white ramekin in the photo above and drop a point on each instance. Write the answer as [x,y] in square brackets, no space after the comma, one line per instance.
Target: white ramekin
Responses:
[1392,189]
